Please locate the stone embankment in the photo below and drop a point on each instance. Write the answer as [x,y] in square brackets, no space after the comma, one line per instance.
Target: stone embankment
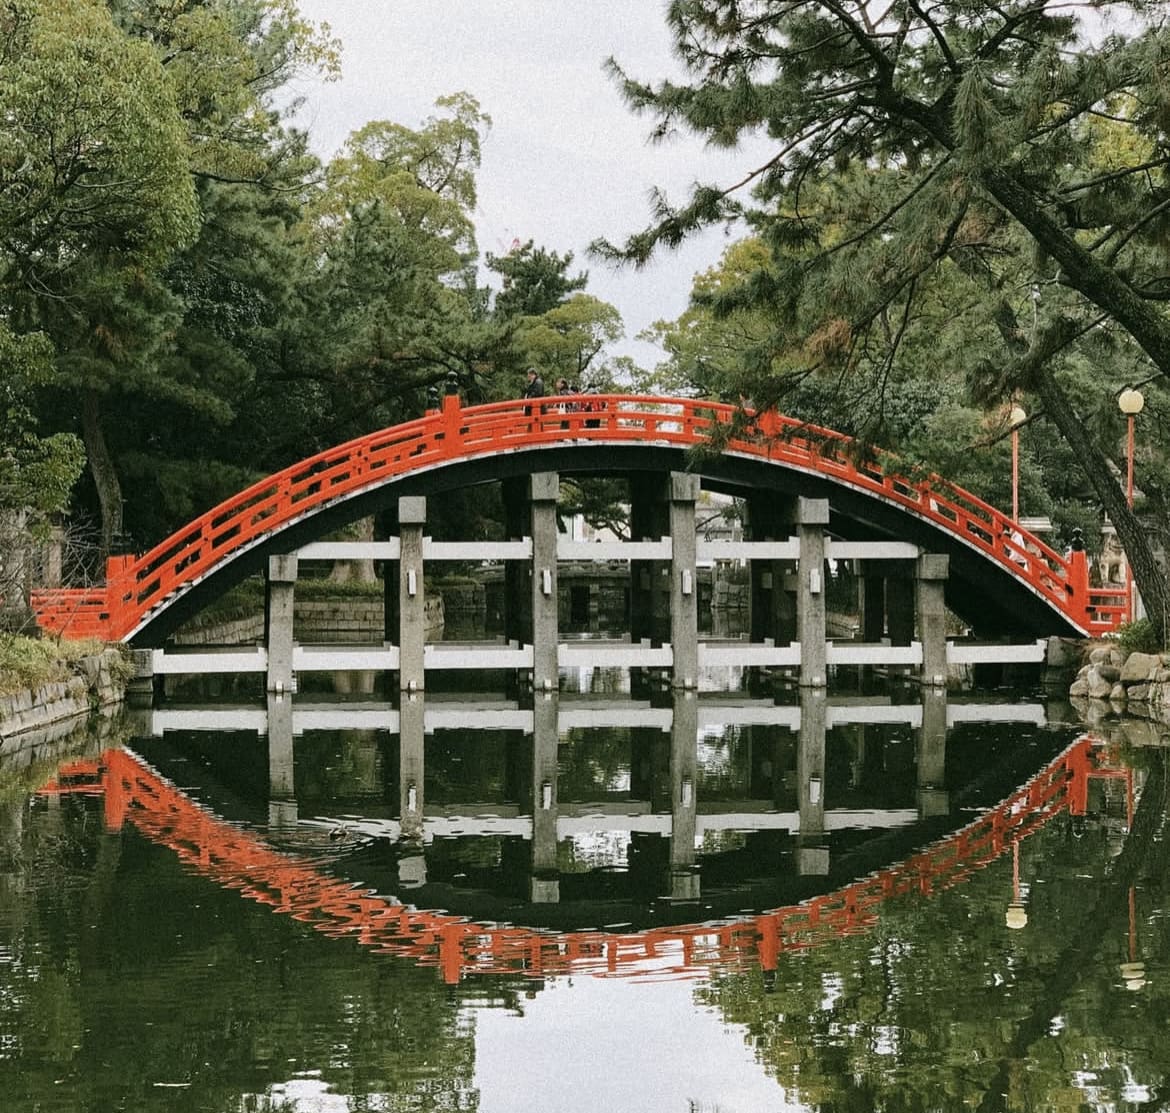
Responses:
[98,681]
[1140,681]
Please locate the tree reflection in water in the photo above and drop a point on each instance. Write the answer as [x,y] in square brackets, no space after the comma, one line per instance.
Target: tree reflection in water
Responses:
[904,988]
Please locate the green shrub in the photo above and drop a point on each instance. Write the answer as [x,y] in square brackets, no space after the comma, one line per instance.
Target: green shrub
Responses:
[1139,637]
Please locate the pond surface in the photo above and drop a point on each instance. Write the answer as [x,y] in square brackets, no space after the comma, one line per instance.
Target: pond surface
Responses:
[727,903]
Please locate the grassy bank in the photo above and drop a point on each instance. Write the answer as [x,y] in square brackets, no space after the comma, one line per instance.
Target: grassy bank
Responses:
[27,663]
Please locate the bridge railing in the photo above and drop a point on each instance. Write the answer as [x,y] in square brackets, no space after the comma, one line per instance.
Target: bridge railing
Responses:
[297,886]
[136,586]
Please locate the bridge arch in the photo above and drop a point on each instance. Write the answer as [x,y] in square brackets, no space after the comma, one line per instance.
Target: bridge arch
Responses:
[1004,579]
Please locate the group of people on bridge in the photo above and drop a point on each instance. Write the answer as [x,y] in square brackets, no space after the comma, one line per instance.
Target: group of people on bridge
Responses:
[534,388]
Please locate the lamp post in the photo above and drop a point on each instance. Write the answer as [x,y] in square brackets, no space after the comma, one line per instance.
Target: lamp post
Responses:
[1130,402]
[1016,417]
[1016,916]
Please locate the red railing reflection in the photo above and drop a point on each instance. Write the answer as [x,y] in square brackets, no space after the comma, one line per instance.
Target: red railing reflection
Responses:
[137,587]
[295,886]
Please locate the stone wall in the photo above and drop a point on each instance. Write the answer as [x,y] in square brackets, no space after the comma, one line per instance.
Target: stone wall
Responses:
[1139,681]
[97,682]
[349,619]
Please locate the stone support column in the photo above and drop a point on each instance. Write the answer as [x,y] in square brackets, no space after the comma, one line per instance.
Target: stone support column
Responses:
[932,617]
[812,850]
[278,621]
[684,768]
[545,885]
[933,798]
[282,801]
[411,765]
[412,617]
[543,490]
[812,517]
[684,587]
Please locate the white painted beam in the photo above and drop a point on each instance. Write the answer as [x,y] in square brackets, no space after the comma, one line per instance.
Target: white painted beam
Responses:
[613,550]
[970,653]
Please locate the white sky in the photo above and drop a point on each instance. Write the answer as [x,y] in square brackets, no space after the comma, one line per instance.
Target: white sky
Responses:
[566,161]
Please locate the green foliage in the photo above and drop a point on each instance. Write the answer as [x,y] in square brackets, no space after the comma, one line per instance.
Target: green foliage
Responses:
[1140,636]
[37,472]
[535,280]
[970,203]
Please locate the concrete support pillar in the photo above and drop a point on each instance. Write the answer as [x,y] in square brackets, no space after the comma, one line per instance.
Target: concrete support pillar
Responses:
[543,490]
[278,622]
[684,586]
[933,798]
[282,801]
[411,765]
[545,885]
[412,617]
[140,686]
[932,617]
[684,768]
[812,849]
[900,590]
[812,517]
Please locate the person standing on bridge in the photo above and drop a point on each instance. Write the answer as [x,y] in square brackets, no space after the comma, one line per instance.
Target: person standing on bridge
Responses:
[534,388]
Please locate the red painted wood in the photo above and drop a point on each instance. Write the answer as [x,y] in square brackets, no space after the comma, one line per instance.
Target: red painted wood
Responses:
[137,586]
[295,886]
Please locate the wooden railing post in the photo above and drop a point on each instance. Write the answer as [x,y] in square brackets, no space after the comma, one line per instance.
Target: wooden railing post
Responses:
[1078,579]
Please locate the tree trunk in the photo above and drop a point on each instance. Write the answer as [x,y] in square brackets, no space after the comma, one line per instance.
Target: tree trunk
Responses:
[356,571]
[101,467]
[1144,567]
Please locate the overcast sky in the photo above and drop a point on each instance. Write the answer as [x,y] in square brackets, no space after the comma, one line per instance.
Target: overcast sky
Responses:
[566,161]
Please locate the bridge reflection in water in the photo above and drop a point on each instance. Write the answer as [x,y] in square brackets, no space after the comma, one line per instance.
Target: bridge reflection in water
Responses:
[297,865]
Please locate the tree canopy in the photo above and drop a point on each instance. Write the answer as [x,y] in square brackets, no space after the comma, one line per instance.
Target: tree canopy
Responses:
[966,193]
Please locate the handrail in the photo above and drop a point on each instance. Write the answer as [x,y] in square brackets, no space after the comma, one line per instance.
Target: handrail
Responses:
[296,886]
[135,587]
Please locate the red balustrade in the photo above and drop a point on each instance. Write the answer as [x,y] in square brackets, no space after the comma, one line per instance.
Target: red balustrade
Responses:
[294,886]
[137,587]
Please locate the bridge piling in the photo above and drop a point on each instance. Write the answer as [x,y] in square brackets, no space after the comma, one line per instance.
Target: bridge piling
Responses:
[812,850]
[812,518]
[544,487]
[411,764]
[412,626]
[282,799]
[684,769]
[684,588]
[280,588]
[544,880]
[933,798]
[931,582]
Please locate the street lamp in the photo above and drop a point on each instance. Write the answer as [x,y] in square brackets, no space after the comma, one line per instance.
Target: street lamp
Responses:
[1130,402]
[1016,916]
[1016,418]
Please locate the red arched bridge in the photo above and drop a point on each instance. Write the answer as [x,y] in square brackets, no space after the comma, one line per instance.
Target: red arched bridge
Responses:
[295,886]
[1000,573]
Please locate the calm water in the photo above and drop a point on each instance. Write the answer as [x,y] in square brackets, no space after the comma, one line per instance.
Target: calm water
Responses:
[725,903]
